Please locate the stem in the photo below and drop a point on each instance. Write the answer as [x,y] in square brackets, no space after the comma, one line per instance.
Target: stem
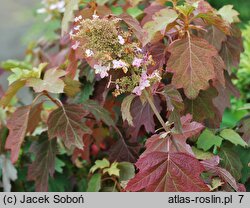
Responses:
[153,107]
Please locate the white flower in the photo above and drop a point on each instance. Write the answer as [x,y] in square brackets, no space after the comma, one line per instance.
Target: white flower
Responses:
[102,70]
[121,40]
[41,11]
[76,45]
[60,6]
[77,19]
[77,27]
[118,64]
[71,34]
[137,62]
[95,16]
[89,53]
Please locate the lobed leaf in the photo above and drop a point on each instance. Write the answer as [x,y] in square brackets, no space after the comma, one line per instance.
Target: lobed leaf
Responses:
[66,123]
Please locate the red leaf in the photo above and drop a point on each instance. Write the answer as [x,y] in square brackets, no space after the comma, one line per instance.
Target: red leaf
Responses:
[189,128]
[231,50]
[21,122]
[124,151]
[192,66]
[212,167]
[170,172]
[161,143]
[142,116]
[44,164]
[66,123]
[136,27]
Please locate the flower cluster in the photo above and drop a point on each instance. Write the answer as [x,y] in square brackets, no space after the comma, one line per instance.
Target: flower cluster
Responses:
[52,7]
[112,48]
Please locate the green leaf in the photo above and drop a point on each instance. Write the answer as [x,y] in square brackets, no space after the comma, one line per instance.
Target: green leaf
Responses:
[230,161]
[59,164]
[216,183]
[244,155]
[72,87]
[116,10]
[127,171]
[113,170]
[233,137]
[24,74]
[102,2]
[134,12]
[207,140]
[71,5]
[202,155]
[11,92]
[51,82]
[100,164]
[94,184]
[160,22]
[98,111]
[125,109]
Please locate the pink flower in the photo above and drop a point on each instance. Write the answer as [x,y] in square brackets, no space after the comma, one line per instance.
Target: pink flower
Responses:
[137,62]
[144,82]
[102,70]
[119,64]
[121,40]
[137,91]
[76,45]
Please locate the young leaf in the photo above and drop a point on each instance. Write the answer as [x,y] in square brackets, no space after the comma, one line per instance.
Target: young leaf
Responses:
[11,92]
[100,164]
[125,108]
[51,82]
[94,184]
[113,170]
[160,21]
[66,123]
[229,14]
[192,66]
[171,172]
[21,122]
[44,163]
[207,140]
[233,137]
